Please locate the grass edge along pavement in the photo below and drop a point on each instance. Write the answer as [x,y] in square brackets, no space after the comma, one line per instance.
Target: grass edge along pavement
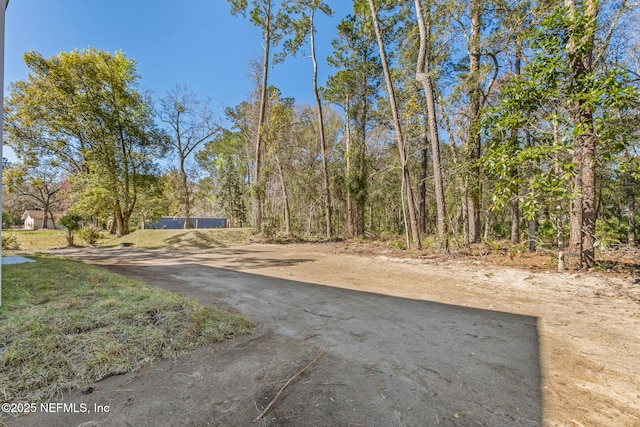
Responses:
[65,324]
[190,239]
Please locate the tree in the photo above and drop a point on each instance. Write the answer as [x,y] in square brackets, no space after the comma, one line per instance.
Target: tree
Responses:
[191,123]
[355,87]
[583,18]
[406,180]
[41,187]
[423,70]
[278,129]
[224,161]
[301,29]
[475,105]
[81,110]
[543,102]
[263,16]
[70,223]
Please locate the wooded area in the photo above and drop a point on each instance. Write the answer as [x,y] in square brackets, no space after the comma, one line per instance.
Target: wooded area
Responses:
[444,122]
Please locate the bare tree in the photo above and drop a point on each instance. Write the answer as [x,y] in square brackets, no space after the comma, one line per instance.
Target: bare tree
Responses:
[192,123]
[40,187]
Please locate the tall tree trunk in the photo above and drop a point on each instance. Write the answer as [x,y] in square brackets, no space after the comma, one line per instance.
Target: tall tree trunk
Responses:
[118,219]
[323,145]
[532,235]
[45,218]
[411,207]
[422,188]
[258,183]
[629,185]
[631,210]
[360,166]
[114,226]
[581,50]
[588,173]
[515,174]
[531,232]
[348,150]
[125,223]
[515,209]
[560,235]
[487,225]
[422,75]
[285,197]
[559,225]
[185,193]
[475,96]
[575,209]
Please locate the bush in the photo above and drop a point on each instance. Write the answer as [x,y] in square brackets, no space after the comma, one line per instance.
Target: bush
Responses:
[501,230]
[269,228]
[10,242]
[89,234]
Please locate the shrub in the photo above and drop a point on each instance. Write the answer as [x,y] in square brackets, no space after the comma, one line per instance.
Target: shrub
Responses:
[10,242]
[89,234]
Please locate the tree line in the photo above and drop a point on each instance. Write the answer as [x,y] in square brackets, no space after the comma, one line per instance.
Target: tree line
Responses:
[445,122]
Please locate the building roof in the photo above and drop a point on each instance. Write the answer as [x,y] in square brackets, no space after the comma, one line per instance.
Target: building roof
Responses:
[37,214]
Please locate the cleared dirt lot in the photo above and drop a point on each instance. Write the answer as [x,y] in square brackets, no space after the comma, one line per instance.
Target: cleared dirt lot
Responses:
[419,343]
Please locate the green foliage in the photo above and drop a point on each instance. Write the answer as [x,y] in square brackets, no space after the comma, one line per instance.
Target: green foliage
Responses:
[532,129]
[70,223]
[81,111]
[397,245]
[500,230]
[298,21]
[611,230]
[9,220]
[89,234]
[223,159]
[545,230]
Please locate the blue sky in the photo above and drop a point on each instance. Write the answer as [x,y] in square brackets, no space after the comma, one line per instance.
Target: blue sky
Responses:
[196,43]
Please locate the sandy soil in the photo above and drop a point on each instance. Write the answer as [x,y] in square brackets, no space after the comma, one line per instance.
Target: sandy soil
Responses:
[579,367]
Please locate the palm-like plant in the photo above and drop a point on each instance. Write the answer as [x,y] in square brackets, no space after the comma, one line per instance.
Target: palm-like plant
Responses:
[70,223]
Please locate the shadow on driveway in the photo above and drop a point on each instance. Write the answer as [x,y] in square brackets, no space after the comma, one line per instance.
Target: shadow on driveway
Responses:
[478,367]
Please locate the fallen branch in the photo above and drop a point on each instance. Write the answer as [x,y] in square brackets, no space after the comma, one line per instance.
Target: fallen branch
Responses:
[317,314]
[313,362]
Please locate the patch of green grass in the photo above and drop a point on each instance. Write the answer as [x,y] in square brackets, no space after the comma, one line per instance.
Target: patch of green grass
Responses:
[64,324]
[42,240]
[185,239]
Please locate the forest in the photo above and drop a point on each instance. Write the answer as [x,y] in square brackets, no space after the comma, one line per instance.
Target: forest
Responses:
[442,124]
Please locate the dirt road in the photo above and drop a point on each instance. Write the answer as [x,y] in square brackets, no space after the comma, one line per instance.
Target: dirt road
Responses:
[400,343]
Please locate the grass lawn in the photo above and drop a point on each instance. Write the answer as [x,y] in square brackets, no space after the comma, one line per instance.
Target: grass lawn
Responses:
[184,239]
[42,240]
[38,240]
[64,324]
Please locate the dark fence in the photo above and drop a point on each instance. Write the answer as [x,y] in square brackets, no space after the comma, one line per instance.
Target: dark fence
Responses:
[171,223]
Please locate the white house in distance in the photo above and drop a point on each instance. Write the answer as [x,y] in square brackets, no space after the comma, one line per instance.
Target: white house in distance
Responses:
[33,219]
